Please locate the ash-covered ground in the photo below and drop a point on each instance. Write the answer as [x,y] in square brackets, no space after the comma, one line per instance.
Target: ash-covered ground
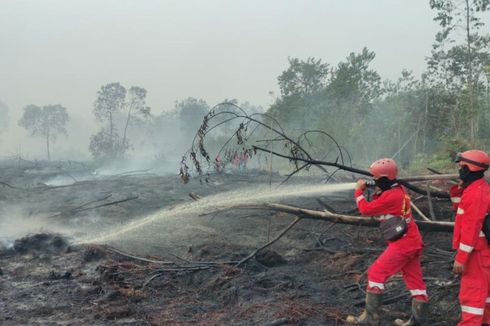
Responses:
[133,248]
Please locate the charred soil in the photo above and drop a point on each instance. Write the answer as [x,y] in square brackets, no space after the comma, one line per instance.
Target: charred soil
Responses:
[314,275]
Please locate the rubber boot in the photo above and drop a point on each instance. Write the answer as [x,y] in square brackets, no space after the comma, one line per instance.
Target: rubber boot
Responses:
[370,316]
[419,314]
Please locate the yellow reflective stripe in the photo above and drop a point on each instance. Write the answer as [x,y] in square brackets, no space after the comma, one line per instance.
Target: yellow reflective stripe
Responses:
[472,310]
[359,198]
[488,300]
[465,248]
[372,284]
[456,200]
[418,292]
[460,211]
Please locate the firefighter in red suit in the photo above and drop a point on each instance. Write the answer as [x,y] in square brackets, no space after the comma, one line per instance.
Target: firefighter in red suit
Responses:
[402,255]
[471,199]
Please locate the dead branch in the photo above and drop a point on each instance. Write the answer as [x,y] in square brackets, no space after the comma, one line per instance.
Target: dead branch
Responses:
[119,252]
[283,232]
[91,202]
[194,196]
[106,204]
[429,201]
[431,177]
[439,226]
[351,169]
[419,212]
[10,186]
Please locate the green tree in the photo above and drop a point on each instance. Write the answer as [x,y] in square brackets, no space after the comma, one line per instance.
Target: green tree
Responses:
[461,66]
[303,77]
[136,107]
[117,109]
[191,112]
[47,121]
[354,85]
[300,85]
[349,98]
[109,102]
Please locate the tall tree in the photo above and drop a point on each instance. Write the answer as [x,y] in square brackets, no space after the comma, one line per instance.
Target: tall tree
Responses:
[47,121]
[110,100]
[355,83]
[106,144]
[303,77]
[191,112]
[461,65]
[135,106]
[300,85]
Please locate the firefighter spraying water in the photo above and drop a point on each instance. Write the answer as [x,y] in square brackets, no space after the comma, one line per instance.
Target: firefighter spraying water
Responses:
[392,204]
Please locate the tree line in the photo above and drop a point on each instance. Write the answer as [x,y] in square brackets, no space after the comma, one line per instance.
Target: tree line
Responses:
[415,119]
[446,109]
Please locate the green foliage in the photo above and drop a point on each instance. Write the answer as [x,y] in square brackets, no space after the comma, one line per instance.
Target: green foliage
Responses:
[460,68]
[111,103]
[110,100]
[47,122]
[421,161]
[303,78]
[106,146]
[191,112]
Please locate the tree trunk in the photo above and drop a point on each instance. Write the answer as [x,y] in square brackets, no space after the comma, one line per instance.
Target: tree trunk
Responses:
[439,226]
[111,132]
[127,124]
[469,66]
[47,146]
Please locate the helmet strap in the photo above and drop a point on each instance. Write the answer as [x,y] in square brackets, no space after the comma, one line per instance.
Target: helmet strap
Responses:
[463,159]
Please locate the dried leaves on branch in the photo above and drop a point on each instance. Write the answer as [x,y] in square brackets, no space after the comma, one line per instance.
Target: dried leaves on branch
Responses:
[252,135]
[260,134]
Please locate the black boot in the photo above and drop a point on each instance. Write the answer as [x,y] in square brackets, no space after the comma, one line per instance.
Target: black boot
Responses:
[419,314]
[370,316]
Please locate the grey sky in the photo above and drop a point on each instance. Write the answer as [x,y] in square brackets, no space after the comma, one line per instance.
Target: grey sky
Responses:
[62,51]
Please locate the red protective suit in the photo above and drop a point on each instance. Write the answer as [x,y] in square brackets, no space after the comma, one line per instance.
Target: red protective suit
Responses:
[472,251]
[402,255]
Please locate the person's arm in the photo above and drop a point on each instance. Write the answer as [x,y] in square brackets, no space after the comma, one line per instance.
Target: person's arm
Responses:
[378,206]
[471,214]
[455,192]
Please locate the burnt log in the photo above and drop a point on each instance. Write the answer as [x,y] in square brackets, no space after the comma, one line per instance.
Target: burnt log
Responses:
[435,226]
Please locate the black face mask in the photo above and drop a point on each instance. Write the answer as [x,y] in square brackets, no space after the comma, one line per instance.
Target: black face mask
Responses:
[384,183]
[469,177]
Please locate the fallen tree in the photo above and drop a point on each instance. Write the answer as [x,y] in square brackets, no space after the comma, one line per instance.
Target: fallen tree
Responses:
[299,151]
[434,226]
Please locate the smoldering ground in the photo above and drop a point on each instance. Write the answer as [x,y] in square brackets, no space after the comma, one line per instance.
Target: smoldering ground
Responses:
[313,275]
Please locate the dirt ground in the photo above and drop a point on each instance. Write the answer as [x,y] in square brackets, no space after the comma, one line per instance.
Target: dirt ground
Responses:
[314,275]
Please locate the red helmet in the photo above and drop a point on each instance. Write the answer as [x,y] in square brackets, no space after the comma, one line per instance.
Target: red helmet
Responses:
[474,159]
[385,167]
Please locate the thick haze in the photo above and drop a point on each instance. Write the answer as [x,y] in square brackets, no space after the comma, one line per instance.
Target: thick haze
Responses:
[58,51]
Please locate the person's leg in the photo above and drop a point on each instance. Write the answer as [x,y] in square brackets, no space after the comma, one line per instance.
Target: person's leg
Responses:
[387,264]
[473,292]
[485,263]
[390,262]
[412,275]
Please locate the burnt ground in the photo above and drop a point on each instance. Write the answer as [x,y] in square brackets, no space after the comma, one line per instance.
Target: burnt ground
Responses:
[314,275]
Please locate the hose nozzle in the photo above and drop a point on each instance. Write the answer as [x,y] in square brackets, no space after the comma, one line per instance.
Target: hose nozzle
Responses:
[370,183]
